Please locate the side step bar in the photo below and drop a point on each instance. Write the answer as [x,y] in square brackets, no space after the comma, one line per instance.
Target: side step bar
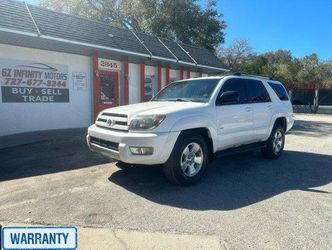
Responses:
[240,149]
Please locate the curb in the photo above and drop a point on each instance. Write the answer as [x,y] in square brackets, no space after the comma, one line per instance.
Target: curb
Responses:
[15,140]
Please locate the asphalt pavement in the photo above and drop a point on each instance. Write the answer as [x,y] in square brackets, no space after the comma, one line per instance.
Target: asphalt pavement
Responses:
[244,200]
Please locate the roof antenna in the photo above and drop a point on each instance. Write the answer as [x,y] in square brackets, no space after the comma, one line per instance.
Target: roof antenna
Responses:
[177,59]
[33,20]
[187,53]
[142,42]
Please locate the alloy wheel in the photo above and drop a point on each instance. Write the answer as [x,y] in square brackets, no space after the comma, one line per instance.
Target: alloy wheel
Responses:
[191,159]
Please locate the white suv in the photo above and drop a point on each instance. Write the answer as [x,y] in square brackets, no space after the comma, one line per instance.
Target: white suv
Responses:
[189,121]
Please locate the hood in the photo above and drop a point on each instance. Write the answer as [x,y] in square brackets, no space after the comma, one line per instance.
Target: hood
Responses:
[147,108]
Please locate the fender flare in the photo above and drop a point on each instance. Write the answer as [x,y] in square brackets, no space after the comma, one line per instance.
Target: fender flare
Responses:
[194,121]
[273,121]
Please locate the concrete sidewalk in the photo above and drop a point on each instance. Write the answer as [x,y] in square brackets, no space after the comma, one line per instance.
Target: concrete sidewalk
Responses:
[105,238]
[15,140]
[102,238]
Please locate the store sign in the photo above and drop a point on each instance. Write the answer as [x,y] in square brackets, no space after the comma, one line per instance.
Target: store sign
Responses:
[109,65]
[79,80]
[33,82]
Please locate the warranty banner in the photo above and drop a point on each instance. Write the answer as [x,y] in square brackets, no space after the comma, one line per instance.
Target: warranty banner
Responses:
[38,237]
[28,81]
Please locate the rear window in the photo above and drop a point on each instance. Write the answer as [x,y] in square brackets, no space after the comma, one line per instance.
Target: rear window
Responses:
[279,90]
[256,91]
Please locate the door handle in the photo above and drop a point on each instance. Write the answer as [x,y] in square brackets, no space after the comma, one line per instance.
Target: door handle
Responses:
[269,106]
[248,109]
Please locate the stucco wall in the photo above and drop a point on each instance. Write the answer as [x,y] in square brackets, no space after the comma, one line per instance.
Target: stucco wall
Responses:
[173,73]
[134,83]
[163,77]
[150,70]
[23,117]
[194,74]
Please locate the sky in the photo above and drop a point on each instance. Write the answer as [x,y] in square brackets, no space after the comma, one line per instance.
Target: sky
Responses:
[301,26]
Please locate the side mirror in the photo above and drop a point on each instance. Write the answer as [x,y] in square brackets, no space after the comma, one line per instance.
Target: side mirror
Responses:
[229,97]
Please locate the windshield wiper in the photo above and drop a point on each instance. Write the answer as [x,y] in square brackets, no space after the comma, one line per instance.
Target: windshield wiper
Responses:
[173,100]
[181,100]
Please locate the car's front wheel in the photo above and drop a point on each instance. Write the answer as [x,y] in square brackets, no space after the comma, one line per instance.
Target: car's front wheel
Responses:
[188,160]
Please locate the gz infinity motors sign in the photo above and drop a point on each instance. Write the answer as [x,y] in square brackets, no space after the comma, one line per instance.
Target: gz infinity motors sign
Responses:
[36,82]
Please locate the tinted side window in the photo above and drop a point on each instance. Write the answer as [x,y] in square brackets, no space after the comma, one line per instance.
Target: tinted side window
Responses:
[279,90]
[235,84]
[256,91]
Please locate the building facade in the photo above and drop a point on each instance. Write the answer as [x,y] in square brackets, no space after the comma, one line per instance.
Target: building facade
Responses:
[59,71]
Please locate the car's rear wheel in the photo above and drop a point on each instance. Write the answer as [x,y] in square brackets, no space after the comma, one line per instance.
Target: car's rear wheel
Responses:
[275,143]
[188,160]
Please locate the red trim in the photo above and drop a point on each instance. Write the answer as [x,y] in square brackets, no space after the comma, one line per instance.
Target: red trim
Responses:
[159,78]
[142,79]
[116,88]
[181,74]
[188,73]
[126,81]
[96,87]
[167,74]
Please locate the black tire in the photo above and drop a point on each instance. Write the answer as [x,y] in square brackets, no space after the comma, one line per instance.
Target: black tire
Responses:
[269,151]
[172,168]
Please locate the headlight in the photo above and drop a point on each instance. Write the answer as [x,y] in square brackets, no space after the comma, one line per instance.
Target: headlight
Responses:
[145,122]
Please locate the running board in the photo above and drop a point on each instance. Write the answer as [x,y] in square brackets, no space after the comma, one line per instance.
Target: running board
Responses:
[240,149]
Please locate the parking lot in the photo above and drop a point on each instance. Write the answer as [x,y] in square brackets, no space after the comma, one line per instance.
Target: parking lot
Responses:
[245,200]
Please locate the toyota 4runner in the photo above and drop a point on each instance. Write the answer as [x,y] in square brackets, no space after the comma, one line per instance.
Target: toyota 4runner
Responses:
[190,120]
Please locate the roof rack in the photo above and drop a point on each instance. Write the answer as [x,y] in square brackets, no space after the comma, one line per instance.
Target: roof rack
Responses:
[244,74]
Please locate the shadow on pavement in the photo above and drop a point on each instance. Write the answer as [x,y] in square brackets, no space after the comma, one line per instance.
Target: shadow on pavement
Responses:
[312,128]
[61,154]
[232,182]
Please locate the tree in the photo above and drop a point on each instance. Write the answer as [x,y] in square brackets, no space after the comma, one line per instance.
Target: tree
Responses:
[328,66]
[182,20]
[315,71]
[237,56]
[279,64]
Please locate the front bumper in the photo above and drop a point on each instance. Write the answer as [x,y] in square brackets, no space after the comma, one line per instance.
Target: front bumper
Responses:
[162,144]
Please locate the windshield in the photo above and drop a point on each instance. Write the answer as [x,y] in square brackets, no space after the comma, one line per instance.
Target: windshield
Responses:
[191,91]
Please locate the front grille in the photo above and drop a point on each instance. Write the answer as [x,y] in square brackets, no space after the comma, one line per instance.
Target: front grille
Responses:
[113,121]
[121,123]
[106,144]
